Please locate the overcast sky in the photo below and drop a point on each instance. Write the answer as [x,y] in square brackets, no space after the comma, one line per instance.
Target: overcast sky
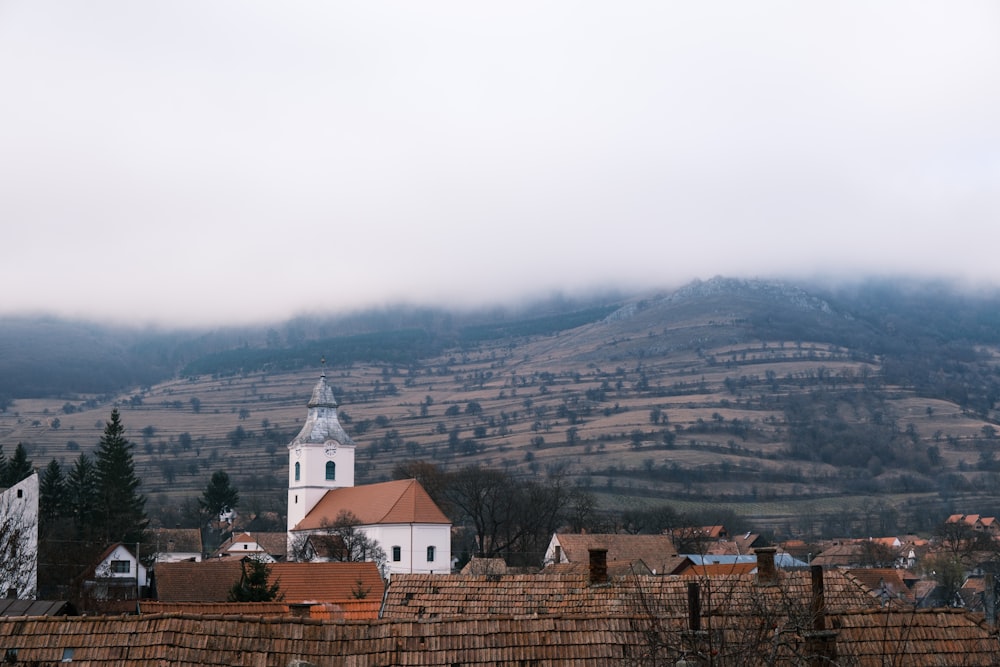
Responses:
[185,162]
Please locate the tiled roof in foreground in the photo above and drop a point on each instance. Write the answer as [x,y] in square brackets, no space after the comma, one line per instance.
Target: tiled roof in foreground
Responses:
[865,639]
[210,581]
[426,596]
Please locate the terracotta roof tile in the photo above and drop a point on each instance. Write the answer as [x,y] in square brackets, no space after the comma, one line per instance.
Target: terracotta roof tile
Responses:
[864,638]
[176,540]
[885,582]
[422,596]
[656,551]
[399,501]
[210,581]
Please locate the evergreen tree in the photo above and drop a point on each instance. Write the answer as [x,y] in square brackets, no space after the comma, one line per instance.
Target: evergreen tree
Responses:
[18,467]
[219,496]
[52,493]
[254,584]
[121,509]
[81,494]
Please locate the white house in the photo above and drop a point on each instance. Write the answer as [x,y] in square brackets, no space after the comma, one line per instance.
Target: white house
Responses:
[117,575]
[19,539]
[173,545]
[400,516]
[266,547]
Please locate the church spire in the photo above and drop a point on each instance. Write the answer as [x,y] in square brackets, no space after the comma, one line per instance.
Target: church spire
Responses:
[322,423]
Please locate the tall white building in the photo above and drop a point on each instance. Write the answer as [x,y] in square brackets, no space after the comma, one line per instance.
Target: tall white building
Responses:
[400,516]
[19,539]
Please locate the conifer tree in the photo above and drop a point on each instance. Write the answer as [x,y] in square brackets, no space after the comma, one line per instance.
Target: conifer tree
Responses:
[121,509]
[81,494]
[254,584]
[219,496]
[18,467]
[52,493]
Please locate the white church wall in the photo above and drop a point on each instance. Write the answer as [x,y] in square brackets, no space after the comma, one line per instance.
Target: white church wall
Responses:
[412,542]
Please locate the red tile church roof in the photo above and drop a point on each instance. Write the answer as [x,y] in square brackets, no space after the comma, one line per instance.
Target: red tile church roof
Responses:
[401,501]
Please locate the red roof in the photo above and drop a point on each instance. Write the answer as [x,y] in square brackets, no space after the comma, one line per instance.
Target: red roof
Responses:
[210,581]
[401,501]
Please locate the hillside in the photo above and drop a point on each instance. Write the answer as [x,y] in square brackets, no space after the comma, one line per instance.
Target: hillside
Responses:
[805,410]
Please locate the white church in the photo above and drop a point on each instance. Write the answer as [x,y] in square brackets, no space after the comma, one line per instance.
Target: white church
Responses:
[400,516]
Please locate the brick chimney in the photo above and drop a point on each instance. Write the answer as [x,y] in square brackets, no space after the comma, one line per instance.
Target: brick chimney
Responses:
[767,574]
[694,607]
[821,644]
[598,566]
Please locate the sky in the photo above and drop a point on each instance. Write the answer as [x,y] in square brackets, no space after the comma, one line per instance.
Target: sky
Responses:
[183,162]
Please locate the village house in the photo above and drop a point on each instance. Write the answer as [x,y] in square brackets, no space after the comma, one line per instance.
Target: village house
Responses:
[597,590]
[656,553]
[118,575]
[268,547]
[171,545]
[979,523]
[399,516]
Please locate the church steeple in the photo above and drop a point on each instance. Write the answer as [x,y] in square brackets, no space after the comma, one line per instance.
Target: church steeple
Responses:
[322,424]
[321,456]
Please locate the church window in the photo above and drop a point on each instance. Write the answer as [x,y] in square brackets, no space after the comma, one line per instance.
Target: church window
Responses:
[298,471]
[430,554]
[397,554]
[331,470]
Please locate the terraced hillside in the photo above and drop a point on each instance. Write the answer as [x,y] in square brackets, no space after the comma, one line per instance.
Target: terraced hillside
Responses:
[760,398]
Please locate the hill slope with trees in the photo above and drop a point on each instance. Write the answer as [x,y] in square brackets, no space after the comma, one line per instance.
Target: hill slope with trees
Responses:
[844,408]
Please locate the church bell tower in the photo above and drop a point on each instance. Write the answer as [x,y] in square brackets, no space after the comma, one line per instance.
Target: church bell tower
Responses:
[320,457]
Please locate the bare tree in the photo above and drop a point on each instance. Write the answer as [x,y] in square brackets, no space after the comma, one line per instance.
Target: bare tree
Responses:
[344,540]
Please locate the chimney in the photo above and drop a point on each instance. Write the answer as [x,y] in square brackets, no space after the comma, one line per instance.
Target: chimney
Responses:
[300,609]
[694,607]
[818,605]
[766,573]
[598,566]
[821,644]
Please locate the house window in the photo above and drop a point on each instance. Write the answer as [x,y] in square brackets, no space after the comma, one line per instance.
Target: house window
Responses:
[397,554]
[331,470]
[298,472]
[67,655]
[121,567]
[430,554]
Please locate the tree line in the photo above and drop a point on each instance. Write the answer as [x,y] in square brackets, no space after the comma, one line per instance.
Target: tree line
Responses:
[83,511]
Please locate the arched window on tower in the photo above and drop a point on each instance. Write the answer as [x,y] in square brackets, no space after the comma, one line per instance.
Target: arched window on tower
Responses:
[331,470]
[298,471]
